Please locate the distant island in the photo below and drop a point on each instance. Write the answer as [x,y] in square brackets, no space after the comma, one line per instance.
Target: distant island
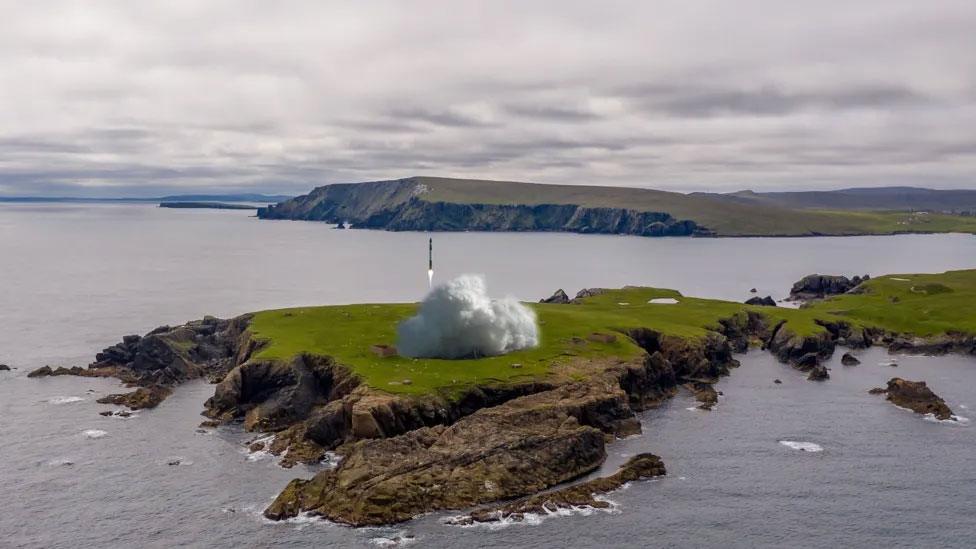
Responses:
[444,204]
[233,197]
[207,205]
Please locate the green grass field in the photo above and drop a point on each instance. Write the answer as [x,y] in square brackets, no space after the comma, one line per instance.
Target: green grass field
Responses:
[920,304]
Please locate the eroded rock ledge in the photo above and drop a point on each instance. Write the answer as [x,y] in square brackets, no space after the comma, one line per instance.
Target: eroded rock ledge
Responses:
[639,467]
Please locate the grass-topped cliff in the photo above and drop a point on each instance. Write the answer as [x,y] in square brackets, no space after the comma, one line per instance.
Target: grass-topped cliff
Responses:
[444,204]
[922,305]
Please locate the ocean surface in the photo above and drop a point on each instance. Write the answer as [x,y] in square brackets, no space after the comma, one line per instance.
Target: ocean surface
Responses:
[75,278]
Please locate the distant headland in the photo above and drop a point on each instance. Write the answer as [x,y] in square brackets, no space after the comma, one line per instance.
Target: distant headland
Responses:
[444,204]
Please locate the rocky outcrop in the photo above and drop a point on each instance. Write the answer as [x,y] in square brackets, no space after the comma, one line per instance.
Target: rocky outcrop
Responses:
[511,450]
[916,396]
[761,301]
[559,297]
[849,360]
[141,398]
[4,368]
[171,355]
[588,292]
[166,357]
[817,286]
[639,467]
[818,373]
[704,393]
[47,371]
[803,351]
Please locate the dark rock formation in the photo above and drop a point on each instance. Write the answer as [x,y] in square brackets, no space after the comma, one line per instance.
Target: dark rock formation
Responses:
[4,368]
[166,357]
[916,396]
[559,297]
[704,393]
[588,292]
[877,391]
[47,371]
[849,360]
[818,286]
[118,413]
[639,467]
[762,301]
[141,398]
[818,373]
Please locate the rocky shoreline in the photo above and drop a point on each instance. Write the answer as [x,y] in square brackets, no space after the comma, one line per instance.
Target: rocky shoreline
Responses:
[404,455]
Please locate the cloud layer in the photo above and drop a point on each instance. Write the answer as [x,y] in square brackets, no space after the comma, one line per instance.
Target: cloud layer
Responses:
[457,319]
[135,98]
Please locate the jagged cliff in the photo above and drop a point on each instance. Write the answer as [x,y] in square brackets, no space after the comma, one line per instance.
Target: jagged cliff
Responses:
[404,205]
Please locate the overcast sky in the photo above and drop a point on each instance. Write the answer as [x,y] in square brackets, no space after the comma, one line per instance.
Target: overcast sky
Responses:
[146,98]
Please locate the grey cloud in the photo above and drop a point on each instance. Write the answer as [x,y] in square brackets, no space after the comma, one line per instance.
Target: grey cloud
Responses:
[699,101]
[553,113]
[438,117]
[128,98]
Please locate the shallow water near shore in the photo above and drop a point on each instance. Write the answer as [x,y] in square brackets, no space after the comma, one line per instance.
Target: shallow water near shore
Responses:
[76,278]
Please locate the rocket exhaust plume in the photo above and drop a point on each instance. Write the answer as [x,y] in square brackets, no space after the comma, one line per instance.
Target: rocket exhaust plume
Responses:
[430,263]
[458,319]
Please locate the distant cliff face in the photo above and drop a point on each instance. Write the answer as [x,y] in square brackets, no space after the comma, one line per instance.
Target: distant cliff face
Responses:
[401,206]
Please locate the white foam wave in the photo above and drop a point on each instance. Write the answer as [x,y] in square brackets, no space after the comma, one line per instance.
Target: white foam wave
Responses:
[260,454]
[398,539]
[64,399]
[802,446]
[954,420]
[331,460]
[94,433]
[534,519]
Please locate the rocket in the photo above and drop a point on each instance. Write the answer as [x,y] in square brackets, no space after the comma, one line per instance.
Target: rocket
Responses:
[430,263]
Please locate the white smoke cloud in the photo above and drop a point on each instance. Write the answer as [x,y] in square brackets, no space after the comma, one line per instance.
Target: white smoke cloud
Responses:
[457,319]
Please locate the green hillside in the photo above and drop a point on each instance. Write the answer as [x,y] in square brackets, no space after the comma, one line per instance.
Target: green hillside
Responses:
[725,217]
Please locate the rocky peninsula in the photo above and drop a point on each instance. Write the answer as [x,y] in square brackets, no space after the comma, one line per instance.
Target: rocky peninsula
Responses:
[422,435]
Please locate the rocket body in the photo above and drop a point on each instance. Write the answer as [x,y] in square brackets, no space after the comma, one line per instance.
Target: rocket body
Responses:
[430,263]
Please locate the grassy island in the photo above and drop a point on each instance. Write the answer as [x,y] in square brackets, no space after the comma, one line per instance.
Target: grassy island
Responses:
[922,305]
